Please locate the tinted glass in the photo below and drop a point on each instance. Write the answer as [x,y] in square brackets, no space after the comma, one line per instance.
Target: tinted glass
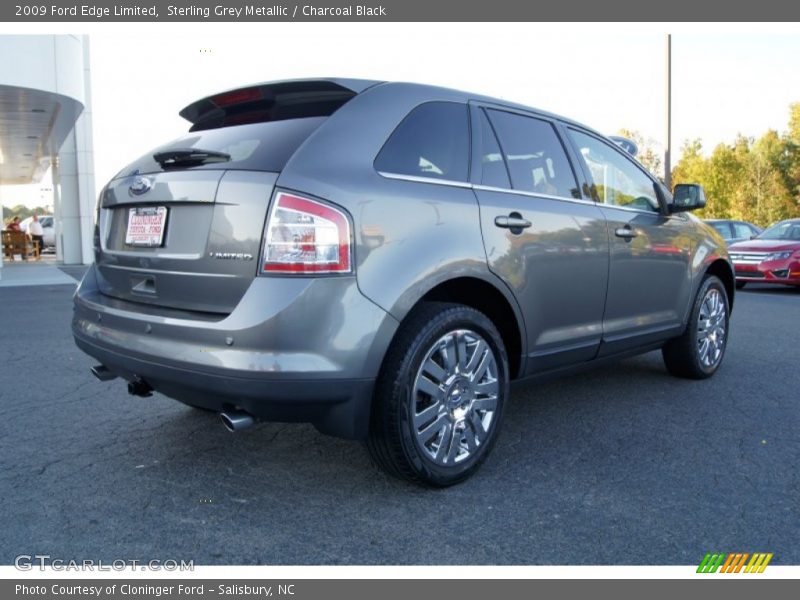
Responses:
[785,230]
[742,230]
[493,167]
[723,228]
[259,147]
[618,181]
[536,159]
[432,141]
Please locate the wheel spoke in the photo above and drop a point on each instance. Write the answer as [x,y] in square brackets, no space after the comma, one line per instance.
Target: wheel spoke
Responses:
[703,351]
[488,388]
[444,443]
[425,434]
[454,444]
[449,354]
[461,346]
[422,418]
[436,373]
[483,365]
[469,436]
[480,351]
[427,386]
[476,424]
[489,403]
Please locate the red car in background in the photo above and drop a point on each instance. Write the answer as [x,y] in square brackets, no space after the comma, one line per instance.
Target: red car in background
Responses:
[771,257]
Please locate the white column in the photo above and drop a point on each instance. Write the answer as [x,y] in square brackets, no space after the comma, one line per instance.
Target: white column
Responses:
[74,180]
[2,226]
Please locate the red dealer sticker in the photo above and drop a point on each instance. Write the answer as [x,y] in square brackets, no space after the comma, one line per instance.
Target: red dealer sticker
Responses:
[146,226]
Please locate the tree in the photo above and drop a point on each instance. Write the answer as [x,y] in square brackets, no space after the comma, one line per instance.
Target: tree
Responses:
[791,156]
[647,154]
[20,210]
[755,180]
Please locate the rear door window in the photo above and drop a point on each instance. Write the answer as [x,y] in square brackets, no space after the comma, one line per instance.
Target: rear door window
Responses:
[493,165]
[534,154]
[432,141]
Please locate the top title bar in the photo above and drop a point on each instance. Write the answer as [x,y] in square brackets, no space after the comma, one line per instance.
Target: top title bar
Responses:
[402,10]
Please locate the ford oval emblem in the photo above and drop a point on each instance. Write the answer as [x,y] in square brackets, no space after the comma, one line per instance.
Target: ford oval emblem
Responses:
[140,185]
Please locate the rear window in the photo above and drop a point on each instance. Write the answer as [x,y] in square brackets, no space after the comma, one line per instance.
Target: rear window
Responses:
[258,147]
[432,141]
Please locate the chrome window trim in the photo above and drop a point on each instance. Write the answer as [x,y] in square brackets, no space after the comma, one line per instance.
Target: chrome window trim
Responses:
[418,179]
[638,210]
[489,188]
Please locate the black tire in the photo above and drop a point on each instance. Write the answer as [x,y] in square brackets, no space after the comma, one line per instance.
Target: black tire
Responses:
[682,355]
[392,441]
[740,284]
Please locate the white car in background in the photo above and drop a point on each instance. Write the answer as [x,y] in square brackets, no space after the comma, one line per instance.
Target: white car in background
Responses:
[48,226]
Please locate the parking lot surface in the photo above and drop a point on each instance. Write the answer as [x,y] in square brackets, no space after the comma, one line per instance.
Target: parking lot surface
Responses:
[621,465]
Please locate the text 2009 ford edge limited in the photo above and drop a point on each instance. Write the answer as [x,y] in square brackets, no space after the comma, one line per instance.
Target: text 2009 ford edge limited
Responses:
[381,259]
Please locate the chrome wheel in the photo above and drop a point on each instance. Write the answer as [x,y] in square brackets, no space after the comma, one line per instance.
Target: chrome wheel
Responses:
[711,328]
[455,397]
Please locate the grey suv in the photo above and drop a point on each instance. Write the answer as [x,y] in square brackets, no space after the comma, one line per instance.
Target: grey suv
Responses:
[382,259]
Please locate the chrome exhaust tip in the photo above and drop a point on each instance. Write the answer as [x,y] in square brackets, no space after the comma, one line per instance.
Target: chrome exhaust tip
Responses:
[236,420]
[102,373]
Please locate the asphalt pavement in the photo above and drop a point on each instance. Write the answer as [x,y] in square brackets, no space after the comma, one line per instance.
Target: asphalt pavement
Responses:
[621,465]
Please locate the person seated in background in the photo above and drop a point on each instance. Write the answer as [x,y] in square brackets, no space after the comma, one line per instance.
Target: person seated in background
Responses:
[13,225]
[36,232]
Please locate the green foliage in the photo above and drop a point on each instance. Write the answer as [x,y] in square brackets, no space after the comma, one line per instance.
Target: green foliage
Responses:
[647,155]
[21,211]
[756,180]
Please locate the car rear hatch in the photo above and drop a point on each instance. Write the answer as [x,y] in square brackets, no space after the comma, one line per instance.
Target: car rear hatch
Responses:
[182,227]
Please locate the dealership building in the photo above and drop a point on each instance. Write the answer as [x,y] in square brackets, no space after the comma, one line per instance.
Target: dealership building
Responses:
[46,123]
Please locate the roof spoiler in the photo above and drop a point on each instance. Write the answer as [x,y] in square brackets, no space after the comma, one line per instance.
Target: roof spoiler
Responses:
[273,101]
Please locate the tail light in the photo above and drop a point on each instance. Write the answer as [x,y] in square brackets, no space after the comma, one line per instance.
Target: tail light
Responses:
[241,96]
[306,236]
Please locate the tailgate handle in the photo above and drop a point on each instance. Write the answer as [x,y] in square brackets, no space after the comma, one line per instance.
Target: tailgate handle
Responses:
[146,286]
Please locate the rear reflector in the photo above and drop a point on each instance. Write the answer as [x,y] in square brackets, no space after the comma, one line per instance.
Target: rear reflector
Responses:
[306,236]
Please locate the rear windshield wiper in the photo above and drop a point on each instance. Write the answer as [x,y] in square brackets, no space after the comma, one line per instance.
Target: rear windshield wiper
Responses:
[189,157]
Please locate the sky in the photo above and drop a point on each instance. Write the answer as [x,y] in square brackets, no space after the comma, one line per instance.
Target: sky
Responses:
[724,82]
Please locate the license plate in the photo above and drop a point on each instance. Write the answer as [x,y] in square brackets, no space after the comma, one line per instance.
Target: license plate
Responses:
[146,226]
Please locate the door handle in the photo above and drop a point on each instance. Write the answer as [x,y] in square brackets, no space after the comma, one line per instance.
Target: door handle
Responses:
[626,233]
[514,221]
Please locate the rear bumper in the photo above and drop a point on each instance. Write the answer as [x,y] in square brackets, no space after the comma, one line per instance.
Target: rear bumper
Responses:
[786,272]
[294,350]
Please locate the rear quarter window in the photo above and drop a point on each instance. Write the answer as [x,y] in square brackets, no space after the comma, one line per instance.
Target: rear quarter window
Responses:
[258,146]
[432,141]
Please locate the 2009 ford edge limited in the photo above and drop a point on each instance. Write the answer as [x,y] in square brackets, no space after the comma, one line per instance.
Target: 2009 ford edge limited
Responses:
[382,259]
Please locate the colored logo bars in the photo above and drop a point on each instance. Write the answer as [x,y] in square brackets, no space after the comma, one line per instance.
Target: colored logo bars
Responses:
[735,562]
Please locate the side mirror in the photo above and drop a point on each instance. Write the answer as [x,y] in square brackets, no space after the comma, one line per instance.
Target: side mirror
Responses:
[687,196]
